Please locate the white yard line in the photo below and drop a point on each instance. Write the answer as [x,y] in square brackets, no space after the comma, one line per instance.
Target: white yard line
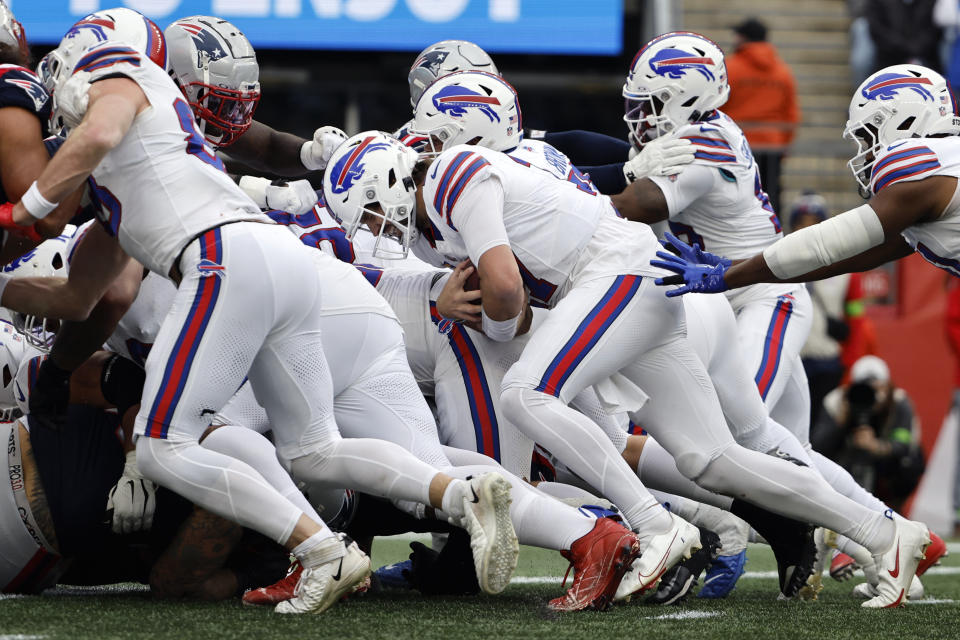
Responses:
[685,615]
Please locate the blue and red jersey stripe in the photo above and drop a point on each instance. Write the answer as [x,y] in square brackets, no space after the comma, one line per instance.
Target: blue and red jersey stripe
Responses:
[177,369]
[949,265]
[588,333]
[708,142]
[773,345]
[482,410]
[903,165]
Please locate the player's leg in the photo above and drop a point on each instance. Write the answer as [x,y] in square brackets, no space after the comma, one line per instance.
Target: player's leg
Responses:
[772,331]
[200,357]
[291,379]
[564,356]
[467,377]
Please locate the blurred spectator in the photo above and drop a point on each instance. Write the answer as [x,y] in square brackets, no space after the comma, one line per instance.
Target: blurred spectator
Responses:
[870,429]
[763,101]
[862,50]
[946,14]
[837,313]
[953,337]
[903,32]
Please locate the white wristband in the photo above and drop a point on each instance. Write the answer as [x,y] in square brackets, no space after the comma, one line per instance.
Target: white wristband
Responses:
[4,279]
[35,204]
[306,157]
[843,236]
[500,330]
[256,188]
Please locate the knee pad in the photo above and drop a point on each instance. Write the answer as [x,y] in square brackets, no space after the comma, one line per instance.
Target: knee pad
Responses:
[693,464]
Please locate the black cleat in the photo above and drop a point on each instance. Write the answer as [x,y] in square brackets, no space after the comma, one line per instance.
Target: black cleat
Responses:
[791,540]
[680,579]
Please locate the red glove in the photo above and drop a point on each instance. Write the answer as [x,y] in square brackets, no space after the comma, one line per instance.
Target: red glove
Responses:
[6,222]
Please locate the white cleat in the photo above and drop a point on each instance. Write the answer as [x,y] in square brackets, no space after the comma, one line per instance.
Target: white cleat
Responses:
[897,566]
[492,537]
[865,590]
[662,552]
[321,586]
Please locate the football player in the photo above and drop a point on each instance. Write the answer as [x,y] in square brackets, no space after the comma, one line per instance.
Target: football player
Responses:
[905,124]
[215,66]
[204,245]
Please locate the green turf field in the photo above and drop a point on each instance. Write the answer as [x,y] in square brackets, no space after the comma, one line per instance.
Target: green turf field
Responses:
[752,612]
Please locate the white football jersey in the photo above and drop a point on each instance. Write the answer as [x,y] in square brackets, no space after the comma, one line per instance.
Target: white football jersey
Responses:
[915,159]
[539,154]
[549,222]
[718,201]
[162,185]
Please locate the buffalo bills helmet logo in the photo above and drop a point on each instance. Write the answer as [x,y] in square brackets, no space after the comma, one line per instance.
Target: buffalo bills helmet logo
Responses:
[431,61]
[674,63]
[94,24]
[205,42]
[19,262]
[350,167]
[455,100]
[885,86]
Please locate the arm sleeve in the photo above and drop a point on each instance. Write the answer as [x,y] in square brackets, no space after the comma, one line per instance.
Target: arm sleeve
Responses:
[478,217]
[691,184]
[588,148]
[607,178]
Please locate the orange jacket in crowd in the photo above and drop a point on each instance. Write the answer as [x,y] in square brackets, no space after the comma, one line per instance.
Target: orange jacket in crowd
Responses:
[762,89]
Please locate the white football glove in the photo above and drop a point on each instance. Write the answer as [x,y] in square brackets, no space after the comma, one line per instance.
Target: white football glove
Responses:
[72,99]
[660,157]
[295,197]
[133,500]
[314,154]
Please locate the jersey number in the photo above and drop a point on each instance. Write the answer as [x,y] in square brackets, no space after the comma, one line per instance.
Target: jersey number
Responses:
[686,233]
[109,209]
[583,182]
[196,146]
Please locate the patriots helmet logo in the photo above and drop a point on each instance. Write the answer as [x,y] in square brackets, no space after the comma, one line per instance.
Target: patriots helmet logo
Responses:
[674,63]
[93,24]
[431,60]
[350,167]
[885,86]
[33,90]
[455,100]
[205,42]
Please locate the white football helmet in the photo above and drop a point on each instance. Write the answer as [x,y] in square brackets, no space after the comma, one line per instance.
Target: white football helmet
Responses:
[466,105]
[902,101]
[674,79]
[368,180]
[216,67]
[445,57]
[26,377]
[11,353]
[11,31]
[119,26]
[49,259]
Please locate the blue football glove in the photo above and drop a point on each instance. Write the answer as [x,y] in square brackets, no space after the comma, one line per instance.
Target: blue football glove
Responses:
[695,277]
[693,253]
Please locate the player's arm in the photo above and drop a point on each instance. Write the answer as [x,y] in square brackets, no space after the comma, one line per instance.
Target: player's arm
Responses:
[113,105]
[479,218]
[650,200]
[855,240]
[642,201]
[263,148]
[23,157]
[97,263]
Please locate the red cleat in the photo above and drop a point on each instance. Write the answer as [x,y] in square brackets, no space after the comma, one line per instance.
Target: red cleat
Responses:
[277,592]
[842,566]
[599,560]
[936,550]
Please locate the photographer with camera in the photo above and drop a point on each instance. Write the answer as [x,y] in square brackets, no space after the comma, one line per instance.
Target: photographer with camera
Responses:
[868,426]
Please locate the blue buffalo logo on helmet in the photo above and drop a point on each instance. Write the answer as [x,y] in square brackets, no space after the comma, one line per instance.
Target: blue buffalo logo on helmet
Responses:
[885,86]
[674,63]
[455,100]
[205,41]
[431,60]
[19,262]
[350,167]
[94,24]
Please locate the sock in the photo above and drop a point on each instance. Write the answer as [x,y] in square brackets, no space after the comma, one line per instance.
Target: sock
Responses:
[318,549]
[452,503]
[581,445]
[563,491]
[841,480]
